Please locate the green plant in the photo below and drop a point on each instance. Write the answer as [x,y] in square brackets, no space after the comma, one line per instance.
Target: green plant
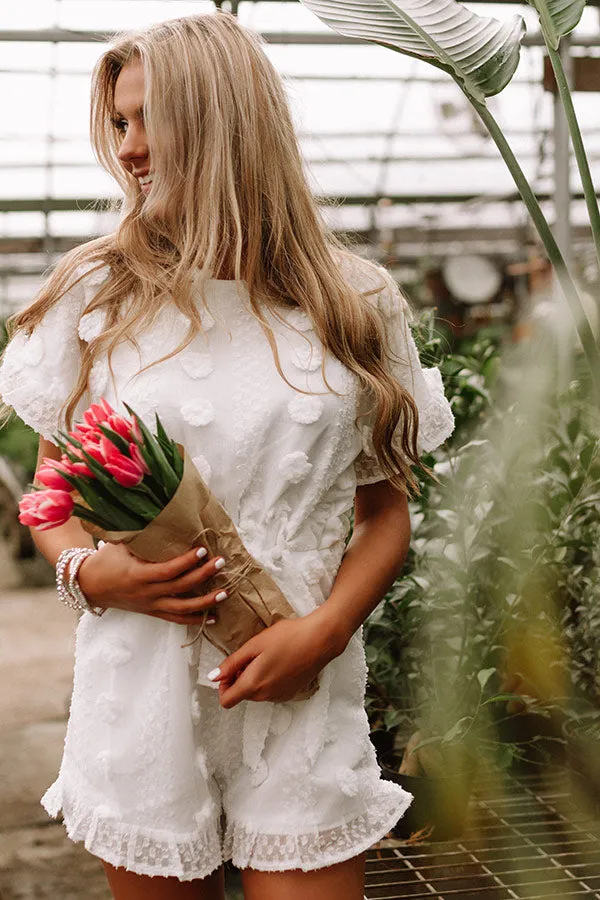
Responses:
[19,444]
[576,541]
[392,631]
[498,601]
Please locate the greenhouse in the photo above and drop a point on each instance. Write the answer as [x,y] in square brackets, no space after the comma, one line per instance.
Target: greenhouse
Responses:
[207,210]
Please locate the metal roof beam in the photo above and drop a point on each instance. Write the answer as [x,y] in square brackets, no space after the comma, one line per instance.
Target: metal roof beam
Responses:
[87,204]
[313,135]
[385,78]
[400,234]
[489,155]
[415,250]
[67,35]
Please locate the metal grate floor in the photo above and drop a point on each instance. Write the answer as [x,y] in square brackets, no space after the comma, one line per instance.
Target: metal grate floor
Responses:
[525,839]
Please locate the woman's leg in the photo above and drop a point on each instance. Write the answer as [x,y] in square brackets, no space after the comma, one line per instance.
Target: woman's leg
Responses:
[126,885]
[344,880]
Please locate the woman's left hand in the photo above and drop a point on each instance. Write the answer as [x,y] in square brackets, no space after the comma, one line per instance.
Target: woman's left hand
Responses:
[277,663]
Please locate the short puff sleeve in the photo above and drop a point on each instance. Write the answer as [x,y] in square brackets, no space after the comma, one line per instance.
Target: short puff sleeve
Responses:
[436,420]
[39,370]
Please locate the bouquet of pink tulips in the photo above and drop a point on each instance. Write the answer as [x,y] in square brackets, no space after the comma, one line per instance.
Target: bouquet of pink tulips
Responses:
[141,489]
[120,473]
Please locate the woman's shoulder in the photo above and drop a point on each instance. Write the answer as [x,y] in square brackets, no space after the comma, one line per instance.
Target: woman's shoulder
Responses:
[90,274]
[89,278]
[374,282]
[86,279]
[48,329]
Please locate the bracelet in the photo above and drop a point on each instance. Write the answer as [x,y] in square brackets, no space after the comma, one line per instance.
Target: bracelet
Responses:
[73,587]
[61,587]
[71,593]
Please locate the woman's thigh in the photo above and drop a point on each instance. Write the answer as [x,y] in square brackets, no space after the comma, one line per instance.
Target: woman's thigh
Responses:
[346,879]
[125,885]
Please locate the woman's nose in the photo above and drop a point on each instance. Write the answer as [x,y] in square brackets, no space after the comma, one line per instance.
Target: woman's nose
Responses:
[134,146]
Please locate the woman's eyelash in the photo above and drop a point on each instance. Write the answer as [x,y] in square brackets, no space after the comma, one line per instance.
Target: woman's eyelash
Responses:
[120,124]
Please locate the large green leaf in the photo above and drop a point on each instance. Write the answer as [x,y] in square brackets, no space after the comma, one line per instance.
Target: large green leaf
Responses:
[557,18]
[479,52]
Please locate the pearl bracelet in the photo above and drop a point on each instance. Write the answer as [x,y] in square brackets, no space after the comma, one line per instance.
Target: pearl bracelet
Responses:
[71,593]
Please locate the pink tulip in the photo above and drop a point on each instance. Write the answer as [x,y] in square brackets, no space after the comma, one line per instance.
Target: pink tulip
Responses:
[98,412]
[93,450]
[49,475]
[83,432]
[121,425]
[45,509]
[137,431]
[137,457]
[125,471]
[76,468]
[76,451]
[128,471]
[107,448]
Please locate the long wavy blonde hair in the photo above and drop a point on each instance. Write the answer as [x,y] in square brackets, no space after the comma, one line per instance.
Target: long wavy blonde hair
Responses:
[229,195]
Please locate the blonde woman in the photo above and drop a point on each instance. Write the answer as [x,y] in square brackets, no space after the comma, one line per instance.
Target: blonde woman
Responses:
[284,363]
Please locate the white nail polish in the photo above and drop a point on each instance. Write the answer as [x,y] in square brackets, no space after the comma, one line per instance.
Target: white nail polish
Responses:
[201,552]
[213,674]
[219,563]
[222,595]
[211,621]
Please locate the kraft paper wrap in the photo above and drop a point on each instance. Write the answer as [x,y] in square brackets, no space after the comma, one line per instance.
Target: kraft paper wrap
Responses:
[192,517]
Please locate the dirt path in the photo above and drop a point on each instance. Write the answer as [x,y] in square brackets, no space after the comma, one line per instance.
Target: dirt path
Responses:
[36,653]
[37,860]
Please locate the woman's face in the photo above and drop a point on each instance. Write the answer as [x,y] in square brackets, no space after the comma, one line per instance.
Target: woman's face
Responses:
[134,153]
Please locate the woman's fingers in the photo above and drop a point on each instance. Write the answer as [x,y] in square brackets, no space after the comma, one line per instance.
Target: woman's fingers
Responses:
[126,582]
[181,620]
[166,571]
[188,606]
[191,580]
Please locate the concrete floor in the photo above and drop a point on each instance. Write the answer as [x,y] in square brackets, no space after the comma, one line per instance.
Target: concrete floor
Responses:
[36,653]
[37,860]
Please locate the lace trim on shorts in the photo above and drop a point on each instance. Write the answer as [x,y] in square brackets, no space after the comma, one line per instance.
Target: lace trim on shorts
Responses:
[249,847]
[146,851]
[188,856]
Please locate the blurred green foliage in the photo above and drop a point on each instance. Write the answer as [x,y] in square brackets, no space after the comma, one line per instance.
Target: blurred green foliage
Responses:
[498,602]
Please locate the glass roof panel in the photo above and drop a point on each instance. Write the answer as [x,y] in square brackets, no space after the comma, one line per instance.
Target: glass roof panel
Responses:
[371,122]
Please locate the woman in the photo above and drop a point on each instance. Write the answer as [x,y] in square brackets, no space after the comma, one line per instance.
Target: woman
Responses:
[285,365]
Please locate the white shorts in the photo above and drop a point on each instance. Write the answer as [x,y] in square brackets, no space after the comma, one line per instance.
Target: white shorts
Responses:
[158,778]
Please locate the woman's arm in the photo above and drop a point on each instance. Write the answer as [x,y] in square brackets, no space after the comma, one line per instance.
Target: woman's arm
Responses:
[373,560]
[114,577]
[279,661]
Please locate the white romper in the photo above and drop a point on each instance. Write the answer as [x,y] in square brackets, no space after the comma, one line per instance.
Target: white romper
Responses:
[156,776]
